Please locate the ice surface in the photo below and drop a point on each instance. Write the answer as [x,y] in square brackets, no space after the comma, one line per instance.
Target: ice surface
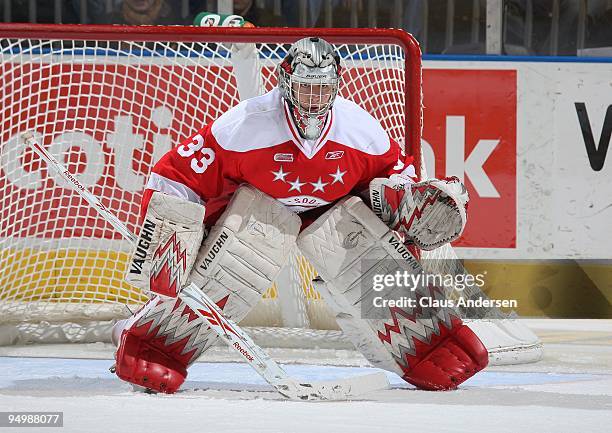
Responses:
[569,391]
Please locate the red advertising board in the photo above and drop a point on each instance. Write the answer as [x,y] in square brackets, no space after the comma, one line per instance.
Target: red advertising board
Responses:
[470,123]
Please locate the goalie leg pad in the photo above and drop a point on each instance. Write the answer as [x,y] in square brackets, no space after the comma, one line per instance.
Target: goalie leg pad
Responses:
[430,214]
[245,251]
[169,240]
[430,348]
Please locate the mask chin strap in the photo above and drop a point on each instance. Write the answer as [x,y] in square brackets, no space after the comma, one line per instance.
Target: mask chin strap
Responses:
[314,127]
[310,127]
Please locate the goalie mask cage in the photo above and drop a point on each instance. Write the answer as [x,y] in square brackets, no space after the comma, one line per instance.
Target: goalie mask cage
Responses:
[109,101]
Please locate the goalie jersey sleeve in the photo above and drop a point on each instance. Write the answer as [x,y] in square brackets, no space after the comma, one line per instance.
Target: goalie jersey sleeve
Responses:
[256,142]
[394,161]
[197,170]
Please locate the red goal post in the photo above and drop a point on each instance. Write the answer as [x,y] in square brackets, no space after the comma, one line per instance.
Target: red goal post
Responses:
[109,101]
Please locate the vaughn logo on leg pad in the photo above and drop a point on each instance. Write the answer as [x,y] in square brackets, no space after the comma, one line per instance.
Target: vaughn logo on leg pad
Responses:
[142,248]
[214,250]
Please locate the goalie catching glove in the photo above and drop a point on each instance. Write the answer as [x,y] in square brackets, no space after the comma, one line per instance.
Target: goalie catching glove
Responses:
[428,214]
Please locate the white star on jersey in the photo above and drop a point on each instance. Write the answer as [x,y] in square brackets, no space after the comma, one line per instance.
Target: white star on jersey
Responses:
[297,185]
[318,185]
[338,175]
[280,174]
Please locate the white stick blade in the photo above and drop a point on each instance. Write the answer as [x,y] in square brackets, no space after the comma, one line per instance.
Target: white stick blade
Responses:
[341,389]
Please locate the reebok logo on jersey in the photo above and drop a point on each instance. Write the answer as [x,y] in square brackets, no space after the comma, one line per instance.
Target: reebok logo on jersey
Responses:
[336,154]
[283,157]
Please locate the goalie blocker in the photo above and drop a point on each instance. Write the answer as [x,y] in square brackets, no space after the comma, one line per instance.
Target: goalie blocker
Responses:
[433,351]
[169,240]
[238,261]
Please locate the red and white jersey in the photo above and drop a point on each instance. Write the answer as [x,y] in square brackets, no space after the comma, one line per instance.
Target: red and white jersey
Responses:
[257,142]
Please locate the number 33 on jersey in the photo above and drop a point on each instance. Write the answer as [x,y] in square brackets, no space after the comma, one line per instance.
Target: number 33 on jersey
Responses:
[195,144]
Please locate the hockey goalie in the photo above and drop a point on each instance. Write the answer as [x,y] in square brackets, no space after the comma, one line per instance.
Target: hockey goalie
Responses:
[221,210]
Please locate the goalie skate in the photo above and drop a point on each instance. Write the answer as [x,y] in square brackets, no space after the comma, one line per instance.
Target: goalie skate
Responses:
[429,214]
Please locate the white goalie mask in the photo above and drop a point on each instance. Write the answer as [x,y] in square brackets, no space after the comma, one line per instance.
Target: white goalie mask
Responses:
[309,78]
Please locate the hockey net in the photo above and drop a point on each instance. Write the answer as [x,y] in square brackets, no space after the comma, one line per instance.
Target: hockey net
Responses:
[109,101]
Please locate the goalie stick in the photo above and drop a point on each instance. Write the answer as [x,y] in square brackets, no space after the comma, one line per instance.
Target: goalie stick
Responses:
[229,332]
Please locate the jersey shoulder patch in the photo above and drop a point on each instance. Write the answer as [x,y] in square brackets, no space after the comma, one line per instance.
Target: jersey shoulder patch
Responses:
[358,129]
[252,124]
